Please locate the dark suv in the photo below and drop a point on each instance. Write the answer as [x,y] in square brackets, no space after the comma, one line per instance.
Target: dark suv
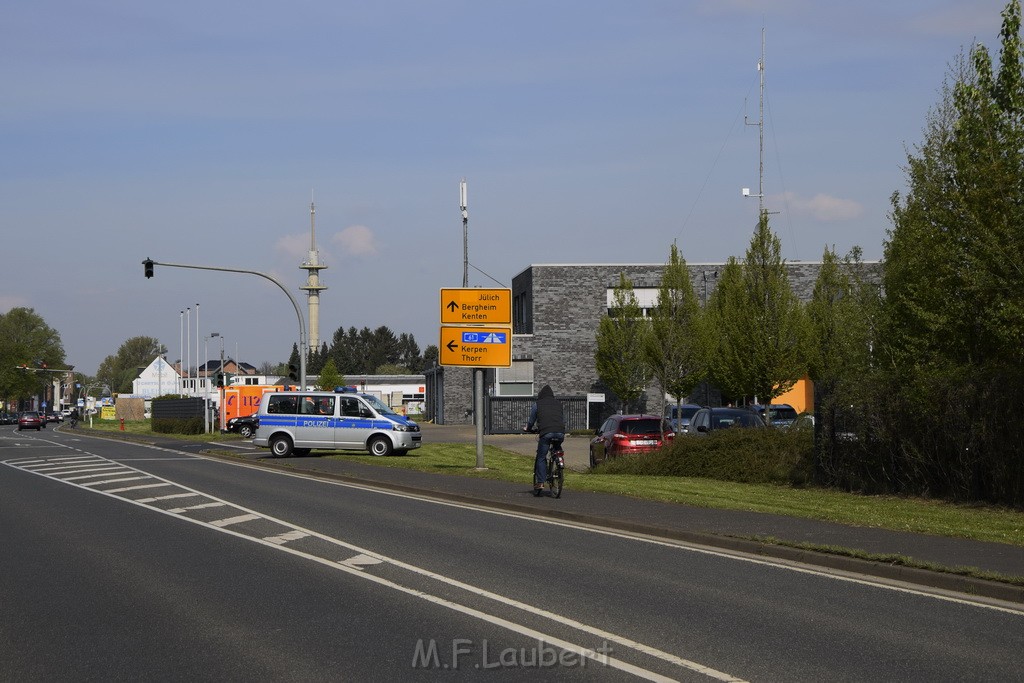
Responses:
[780,414]
[629,435]
[707,420]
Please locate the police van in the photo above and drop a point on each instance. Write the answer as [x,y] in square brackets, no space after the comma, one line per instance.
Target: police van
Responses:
[299,421]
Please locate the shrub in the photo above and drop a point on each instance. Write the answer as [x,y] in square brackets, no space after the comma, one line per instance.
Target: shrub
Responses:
[752,456]
[190,425]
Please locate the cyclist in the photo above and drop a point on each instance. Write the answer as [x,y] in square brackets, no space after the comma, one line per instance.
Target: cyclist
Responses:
[74,418]
[547,415]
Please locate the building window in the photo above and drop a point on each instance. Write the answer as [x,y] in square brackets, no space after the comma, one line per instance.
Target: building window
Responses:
[646,299]
[516,380]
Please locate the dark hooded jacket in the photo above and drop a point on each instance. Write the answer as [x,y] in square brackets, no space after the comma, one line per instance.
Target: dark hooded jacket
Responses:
[547,413]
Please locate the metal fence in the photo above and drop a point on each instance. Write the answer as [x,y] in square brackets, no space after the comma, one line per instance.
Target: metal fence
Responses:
[508,414]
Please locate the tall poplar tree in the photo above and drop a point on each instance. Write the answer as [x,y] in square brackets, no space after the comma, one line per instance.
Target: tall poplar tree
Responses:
[953,336]
[759,322]
[674,348]
[620,341]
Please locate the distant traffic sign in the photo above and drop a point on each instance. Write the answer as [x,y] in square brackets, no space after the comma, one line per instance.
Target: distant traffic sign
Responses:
[476,306]
[484,347]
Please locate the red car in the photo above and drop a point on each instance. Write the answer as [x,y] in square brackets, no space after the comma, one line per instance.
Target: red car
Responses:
[629,435]
[30,419]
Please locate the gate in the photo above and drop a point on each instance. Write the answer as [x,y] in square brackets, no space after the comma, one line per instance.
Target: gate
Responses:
[509,414]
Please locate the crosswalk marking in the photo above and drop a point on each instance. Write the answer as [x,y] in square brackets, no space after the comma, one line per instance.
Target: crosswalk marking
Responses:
[229,521]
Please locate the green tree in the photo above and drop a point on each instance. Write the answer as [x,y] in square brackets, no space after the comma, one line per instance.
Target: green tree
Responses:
[26,339]
[620,342]
[330,377]
[841,317]
[954,259]
[760,322]
[953,315]
[120,370]
[674,348]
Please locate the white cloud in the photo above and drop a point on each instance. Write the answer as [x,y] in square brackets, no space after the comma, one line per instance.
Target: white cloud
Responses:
[356,240]
[294,246]
[822,207]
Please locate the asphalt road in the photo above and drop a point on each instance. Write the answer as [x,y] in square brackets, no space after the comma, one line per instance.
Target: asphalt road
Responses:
[126,562]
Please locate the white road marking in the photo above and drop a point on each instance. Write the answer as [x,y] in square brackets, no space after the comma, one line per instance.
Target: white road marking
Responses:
[360,561]
[356,566]
[231,521]
[285,538]
[201,506]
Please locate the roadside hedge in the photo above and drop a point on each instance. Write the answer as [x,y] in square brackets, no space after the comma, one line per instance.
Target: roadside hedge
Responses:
[750,456]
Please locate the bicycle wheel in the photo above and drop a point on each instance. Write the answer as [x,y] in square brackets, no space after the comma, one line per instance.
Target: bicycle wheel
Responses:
[555,476]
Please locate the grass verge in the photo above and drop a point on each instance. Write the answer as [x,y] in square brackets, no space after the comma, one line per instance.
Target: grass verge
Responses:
[976,522]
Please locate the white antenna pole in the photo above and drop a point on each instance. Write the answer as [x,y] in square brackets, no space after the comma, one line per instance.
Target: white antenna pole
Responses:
[463,206]
[760,132]
[188,345]
[760,135]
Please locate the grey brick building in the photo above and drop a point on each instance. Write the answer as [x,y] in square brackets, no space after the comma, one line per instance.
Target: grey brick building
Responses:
[556,309]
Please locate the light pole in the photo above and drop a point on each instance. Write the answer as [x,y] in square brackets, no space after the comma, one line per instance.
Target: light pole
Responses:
[149,263]
[206,378]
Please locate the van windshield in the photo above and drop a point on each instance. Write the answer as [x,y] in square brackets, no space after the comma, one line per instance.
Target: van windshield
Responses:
[379,405]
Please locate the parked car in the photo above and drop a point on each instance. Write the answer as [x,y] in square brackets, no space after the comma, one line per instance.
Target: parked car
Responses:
[629,435]
[245,425]
[679,416]
[8,419]
[707,420]
[803,423]
[30,419]
[780,414]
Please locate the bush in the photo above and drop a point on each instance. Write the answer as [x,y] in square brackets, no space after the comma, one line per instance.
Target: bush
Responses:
[190,425]
[751,456]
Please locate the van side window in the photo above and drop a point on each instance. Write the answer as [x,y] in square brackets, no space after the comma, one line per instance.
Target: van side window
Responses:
[325,405]
[349,407]
[309,406]
[281,404]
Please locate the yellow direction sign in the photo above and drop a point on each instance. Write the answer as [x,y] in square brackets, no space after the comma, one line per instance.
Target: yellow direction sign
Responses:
[476,306]
[484,347]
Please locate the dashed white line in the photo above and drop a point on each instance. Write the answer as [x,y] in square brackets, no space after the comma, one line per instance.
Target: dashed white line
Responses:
[230,521]
[201,506]
[115,481]
[281,539]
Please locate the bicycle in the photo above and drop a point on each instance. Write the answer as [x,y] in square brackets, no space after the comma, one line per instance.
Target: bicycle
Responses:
[556,469]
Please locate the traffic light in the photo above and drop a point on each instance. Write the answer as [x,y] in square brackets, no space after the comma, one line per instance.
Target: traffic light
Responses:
[220,379]
[293,373]
[148,267]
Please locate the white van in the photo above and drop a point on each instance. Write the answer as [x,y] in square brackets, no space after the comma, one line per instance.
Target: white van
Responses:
[299,421]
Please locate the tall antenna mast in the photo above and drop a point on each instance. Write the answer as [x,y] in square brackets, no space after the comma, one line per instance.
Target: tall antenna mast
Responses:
[464,207]
[312,223]
[312,266]
[760,134]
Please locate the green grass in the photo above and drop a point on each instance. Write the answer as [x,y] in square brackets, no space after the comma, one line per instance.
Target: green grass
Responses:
[977,522]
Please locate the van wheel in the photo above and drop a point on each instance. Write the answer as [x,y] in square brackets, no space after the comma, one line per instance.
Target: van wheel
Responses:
[280,446]
[380,445]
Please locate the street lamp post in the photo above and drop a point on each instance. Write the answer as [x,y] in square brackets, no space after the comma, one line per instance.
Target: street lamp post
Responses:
[149,263]
[206,379]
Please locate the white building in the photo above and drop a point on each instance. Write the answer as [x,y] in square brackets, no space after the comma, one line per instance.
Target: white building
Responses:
[157,379]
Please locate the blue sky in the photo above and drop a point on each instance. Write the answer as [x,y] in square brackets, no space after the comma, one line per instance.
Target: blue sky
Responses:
[588,132]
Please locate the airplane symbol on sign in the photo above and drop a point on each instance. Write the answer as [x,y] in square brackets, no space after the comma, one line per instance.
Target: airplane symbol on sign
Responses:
[482,338]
